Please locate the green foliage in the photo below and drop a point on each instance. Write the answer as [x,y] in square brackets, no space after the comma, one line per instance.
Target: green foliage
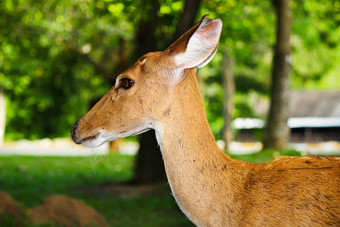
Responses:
[315,45]
[248,37]
[57,56]
[48,82]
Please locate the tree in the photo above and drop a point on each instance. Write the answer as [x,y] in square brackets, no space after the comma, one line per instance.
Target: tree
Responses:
[45,70]
[245,40]
[2,115]
[229,89]
[277,131]
[57,56]
[315,45]
[149,165]
[187,18]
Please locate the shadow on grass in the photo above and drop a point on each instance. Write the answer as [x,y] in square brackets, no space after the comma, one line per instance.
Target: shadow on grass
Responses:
[95,180]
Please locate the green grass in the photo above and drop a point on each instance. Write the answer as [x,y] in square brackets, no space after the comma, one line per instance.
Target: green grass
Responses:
[30,179]
[265,156]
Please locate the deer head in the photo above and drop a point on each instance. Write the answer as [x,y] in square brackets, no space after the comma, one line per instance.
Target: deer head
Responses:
[141,94]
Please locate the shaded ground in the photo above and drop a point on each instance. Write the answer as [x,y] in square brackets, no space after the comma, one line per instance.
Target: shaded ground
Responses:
[59,210]
[94,180]
[124,190]
[62,210]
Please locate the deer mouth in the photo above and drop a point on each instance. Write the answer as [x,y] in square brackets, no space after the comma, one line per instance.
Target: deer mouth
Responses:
[89,139]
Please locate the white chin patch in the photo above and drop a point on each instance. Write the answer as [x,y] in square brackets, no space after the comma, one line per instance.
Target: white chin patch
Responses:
[93,143]
[103,137]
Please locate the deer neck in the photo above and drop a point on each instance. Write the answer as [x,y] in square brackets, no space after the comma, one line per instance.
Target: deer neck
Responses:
[196,168]
[184,128]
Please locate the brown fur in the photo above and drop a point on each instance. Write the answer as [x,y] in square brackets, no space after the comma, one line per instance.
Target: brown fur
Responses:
[211,188]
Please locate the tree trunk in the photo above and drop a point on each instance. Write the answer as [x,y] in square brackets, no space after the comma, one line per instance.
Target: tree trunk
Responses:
[119,67]
[123,61]
[188,16]
[228,105]
[149,165]
[2,115]
[277,131]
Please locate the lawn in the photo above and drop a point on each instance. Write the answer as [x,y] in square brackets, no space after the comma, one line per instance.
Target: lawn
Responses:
[30,179]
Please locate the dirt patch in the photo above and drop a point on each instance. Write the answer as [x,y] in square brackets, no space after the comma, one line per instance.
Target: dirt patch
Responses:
[124,190]
[61,210]
[58,210]
[66,211]
[9,206]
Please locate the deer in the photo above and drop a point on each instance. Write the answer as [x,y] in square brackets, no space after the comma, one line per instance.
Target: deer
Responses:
[160,92]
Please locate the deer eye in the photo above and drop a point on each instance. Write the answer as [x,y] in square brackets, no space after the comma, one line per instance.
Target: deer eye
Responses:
[126,83]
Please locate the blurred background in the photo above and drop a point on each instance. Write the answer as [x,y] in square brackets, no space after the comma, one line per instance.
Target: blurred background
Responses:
[272,89]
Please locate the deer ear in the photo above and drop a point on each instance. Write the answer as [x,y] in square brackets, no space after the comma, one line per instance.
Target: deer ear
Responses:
[197,46]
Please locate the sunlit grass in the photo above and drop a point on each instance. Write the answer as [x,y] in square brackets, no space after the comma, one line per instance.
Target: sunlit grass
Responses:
[265,156]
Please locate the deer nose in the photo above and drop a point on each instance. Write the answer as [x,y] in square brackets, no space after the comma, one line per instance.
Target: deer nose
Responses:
[74,131]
